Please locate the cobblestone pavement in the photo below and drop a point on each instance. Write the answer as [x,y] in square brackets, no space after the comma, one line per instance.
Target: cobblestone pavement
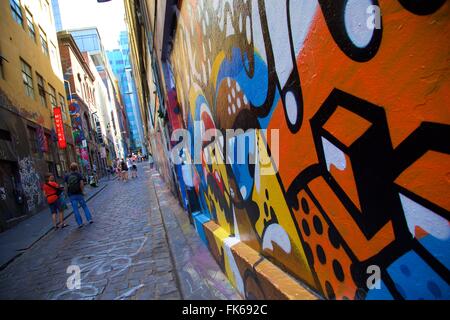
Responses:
[124,254]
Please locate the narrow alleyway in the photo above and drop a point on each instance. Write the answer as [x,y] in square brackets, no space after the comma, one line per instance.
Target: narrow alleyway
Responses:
[140,246]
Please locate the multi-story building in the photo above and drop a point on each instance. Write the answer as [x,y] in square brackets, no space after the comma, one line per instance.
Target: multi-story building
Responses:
[89,40]
[149,26]
[31,90]
[119,60]
[106,124]
[84,108]
[57,15]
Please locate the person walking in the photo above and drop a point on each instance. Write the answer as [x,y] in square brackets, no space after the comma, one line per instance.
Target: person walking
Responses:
[124,169]
[134,167]
[150,160]
[130,165]
[94,173]
[118,169]
[75,188]
[53,192]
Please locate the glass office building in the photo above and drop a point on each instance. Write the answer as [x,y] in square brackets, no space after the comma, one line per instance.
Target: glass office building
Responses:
[119,60]
[57,15]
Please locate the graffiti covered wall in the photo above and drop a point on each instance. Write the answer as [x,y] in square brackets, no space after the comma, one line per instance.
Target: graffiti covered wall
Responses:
[360,100]
[21,169]
[31,183]
[78,132]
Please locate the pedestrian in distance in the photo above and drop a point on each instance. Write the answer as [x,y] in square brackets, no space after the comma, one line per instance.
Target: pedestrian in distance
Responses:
[94,173]
[133,167]
[53,192]
[124,169]
[130,165]
[150,160]
[109,172]
[118,169]
[75,190]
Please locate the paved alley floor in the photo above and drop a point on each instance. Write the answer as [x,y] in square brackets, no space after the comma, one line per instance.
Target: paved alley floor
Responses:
[14,241]
[140,246]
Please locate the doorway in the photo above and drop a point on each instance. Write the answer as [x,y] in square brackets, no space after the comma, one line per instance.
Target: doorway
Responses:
[11,197]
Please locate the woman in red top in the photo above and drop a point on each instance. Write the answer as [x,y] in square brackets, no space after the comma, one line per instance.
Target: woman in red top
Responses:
[51,190]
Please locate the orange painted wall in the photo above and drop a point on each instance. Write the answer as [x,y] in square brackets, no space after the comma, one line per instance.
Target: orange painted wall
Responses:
[356,206]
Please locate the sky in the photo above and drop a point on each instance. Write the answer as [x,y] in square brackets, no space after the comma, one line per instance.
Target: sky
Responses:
[108,17]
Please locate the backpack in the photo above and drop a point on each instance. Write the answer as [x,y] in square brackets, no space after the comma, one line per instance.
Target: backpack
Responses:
[73,184]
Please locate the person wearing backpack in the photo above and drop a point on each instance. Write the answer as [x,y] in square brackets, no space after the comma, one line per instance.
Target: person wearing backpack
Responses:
[75,188]
[53,192]
[124,168]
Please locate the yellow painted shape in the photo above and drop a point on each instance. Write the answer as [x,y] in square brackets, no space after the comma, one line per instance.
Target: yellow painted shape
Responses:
[194,92]
[280,208]
[219,166]
[216,67]
[220,235]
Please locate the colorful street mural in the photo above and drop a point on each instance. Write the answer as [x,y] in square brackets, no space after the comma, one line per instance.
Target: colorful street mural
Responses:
[361,104]
[78,133]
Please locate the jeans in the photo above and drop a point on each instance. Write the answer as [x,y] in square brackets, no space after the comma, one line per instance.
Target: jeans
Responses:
[79,199]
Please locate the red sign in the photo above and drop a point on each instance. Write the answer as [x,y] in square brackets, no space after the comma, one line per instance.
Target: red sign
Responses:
[59,126]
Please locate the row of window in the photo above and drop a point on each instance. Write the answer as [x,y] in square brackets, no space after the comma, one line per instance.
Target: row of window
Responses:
[28,84]
[16,11]
[88,93]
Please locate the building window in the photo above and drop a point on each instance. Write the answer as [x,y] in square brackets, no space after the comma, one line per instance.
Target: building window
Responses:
[52,94]
[67,90]
[87,42]
[32,138]
[41,89]
[62,102]
[44,43]
[16,11]
[50,146]
[31,30]
[53,56]
[46,9]
[84,92]
[27,79]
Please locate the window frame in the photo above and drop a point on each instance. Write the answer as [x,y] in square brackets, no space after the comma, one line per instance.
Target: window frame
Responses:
[41,86]
[52,94]
[62,101]
[53,54]
[28,85]
[30,25]
[16,11]
[44,41]
[46,8]
[32,139]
